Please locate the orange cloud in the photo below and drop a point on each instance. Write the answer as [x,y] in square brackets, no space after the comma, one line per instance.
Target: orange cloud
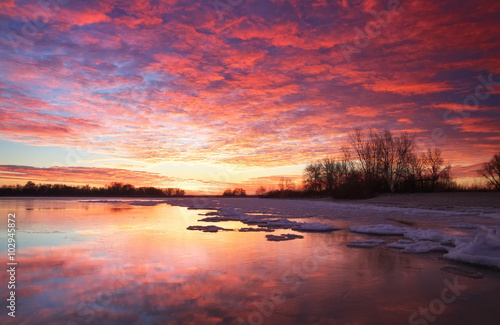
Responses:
[266,86]
[363,111]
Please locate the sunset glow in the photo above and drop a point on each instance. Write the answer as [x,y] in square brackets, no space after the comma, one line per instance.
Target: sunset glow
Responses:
[208,95]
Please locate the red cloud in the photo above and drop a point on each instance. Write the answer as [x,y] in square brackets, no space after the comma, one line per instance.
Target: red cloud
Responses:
[169,81]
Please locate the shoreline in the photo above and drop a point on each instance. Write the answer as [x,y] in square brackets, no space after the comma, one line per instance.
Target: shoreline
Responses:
[441,200]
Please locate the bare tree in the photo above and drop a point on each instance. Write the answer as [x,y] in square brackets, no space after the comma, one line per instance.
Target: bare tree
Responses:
[313,176]
[290,185]
[329,173]
[239,192]
[436,168]
[384,148]
[260,191]
[346,166]
[406,158]
[491,171]
[416,169]
[384,158]
[286,184]
[365,153]
[228,192]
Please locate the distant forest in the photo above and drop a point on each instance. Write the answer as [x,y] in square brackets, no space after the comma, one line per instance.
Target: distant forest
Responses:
[114,189]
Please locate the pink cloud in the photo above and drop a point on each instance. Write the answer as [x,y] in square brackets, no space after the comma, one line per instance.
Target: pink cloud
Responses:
[170,81]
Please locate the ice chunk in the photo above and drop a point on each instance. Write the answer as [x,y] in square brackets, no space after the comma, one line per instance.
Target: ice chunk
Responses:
[401,244]
[424,246]
[314,227]
[231,212]
[483,250]
[282,223]
[419,246]
[283,237]
[251,220]
[210,228]
[369,243]
[381,229]
[431,235]
[249,229]
[210,213]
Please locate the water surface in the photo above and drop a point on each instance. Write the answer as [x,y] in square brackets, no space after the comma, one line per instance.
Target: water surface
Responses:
[115,263]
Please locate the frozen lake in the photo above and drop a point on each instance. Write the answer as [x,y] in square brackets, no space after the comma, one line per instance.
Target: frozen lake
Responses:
[113,262]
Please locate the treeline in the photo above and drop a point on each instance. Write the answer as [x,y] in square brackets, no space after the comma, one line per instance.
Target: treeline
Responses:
[114,189]
[369,164]
[236,192]
[379,162]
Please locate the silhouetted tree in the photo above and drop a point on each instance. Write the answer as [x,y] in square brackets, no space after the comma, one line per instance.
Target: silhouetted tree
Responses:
[236,192]
[330,174]
[113,189]
[228,192]
[286,184]
[491,171]
[239,192]
[261,191]
[313,177]
[436,169]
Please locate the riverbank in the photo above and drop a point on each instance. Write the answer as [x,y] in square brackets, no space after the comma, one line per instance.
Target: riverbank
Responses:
[445,200]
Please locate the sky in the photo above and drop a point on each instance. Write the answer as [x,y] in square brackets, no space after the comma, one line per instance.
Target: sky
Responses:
[209,95]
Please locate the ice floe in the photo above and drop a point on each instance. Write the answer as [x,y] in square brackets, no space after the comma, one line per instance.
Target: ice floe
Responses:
[422,246]
[400,244]
[314,227]
[283,237]
[419,240]
[368,243]
[484,249]
[381,229]
[281,223]
[432,235]
[256,230]
[210,228]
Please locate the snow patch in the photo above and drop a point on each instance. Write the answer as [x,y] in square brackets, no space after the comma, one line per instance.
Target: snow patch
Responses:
[283,237]
[249,229]
[314,227]
[484,249]
[381,229]
[210,228]
[369,243]
[432,235]
[424,246]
